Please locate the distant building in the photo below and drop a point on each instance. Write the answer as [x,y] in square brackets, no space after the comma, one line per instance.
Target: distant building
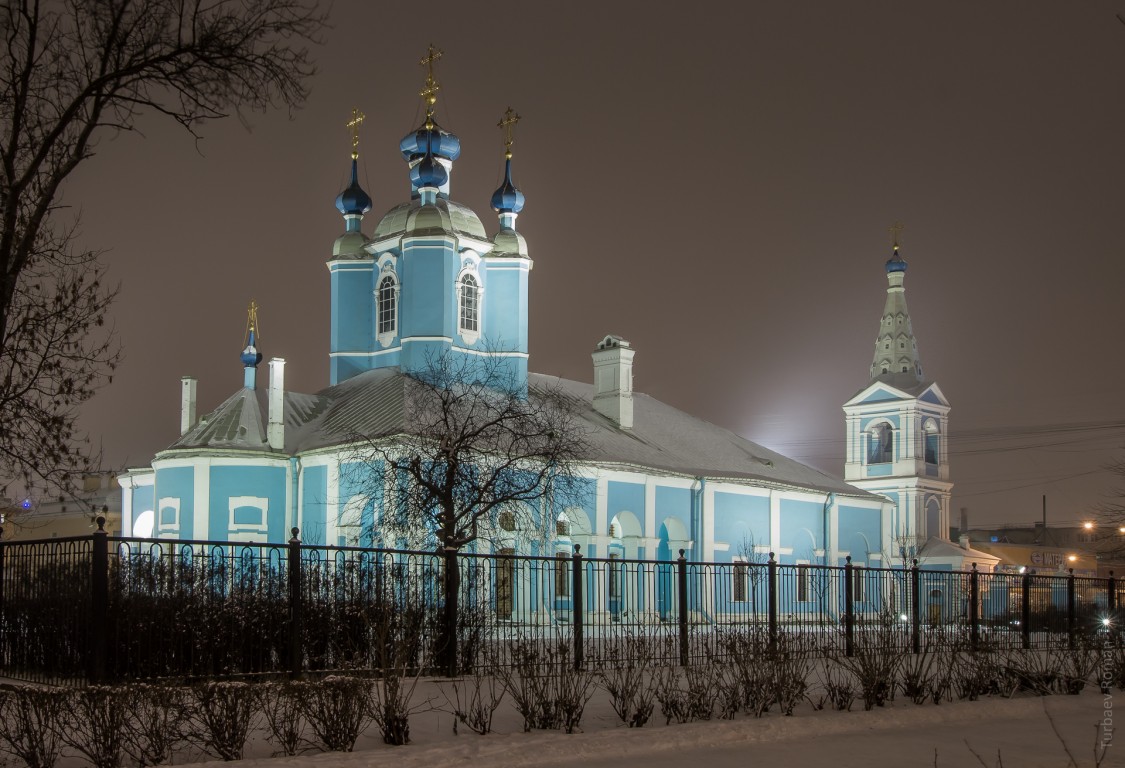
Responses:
[1052,549]
[96,494]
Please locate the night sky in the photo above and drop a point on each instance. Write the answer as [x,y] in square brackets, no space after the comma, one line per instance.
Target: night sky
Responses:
[712,183]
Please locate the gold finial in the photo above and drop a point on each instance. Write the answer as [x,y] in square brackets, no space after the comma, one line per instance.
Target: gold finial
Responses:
[895,230]
[252,319]
[508,122]
[429,91]
[353,127]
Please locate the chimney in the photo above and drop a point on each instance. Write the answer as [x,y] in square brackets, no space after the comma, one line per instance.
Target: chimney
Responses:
[275,433]
[964,527]
[613,380]
[187,404]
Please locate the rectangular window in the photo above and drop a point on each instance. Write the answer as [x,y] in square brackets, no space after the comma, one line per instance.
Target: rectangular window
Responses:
[562,574]
[738,582]
[802,583]
[931,449]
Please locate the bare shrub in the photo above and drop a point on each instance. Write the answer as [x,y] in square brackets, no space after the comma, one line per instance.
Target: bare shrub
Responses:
[93,723]
[223,716]
[29,724]
[980,673]
[917,675]
[629,683]
[159,716]
[1077,666]
[337,709]
[1033,671]
[474,700]
[839,687]
[545,687]
[283,708]
[788,672]
[874,664]
[685,694]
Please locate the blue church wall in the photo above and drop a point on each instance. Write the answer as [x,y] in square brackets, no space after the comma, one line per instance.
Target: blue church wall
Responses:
[314,504]
[741,519]
[352,302]
[625,497]
[505,306]
[361,493]
[227,483]
[426,307]
[142,502]
[802,528]
[672,504]
[176,483]
[859,532]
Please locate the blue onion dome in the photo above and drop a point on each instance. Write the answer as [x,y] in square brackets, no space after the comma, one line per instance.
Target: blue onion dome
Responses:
[430,138]
[896,262]
[507,199]
[428,172]
[353,201]
[251,356]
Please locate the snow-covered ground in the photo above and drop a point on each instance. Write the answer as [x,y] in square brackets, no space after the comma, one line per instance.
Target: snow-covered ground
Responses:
[1022,730]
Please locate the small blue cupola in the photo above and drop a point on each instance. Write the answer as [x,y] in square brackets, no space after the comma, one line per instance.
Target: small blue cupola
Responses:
[353,202]
[507,200]
[427,177]
[250,355]
[896,263]
[430,144]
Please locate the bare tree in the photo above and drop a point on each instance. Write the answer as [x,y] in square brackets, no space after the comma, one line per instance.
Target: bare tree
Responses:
[1110,516]
[478,451]
[71,71]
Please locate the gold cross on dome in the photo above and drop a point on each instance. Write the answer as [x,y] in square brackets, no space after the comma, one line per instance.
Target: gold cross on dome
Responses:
[252,318]
[895,230]
[429,91]
[508,122]
[353,127]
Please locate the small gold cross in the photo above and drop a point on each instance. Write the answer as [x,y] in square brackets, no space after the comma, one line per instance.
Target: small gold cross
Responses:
[430,90]
[895,230]
[508,122]
[252,318]
[353,126]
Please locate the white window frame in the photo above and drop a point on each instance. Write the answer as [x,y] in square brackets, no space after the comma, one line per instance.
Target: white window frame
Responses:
[385,337]
[261,503]
[470,335]
[161,526]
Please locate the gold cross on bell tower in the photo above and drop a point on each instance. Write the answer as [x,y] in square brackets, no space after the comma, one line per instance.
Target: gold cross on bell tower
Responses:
[431,88]
[508,122]
[353,127]
[895,230]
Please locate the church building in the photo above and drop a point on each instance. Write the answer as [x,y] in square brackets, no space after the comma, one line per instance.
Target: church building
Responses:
[429,279]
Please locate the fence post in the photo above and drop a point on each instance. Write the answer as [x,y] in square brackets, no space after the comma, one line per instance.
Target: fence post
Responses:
[1071,612]
[576,605]
[974,608]
[296,605]
[915,610]
[849,616]
[1025,610]
[99,602]
[681,590]
[771,599]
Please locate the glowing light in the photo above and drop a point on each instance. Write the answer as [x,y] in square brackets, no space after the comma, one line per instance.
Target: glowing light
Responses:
[903,617]
[1106,621]
[1072,558]
[26,504]
[142,526]
[1087,526]
[1121,529]
[1023,569]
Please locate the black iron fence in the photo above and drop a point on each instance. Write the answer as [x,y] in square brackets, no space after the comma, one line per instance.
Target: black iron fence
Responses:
[108,608]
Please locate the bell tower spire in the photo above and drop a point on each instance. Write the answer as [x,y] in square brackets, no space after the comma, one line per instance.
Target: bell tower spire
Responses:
[896,350]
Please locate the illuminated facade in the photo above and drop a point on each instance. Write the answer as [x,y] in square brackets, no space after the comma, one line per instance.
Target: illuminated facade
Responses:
[429,279]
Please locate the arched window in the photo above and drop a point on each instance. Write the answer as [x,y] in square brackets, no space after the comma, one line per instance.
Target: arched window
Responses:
[880,444]
[469,305]
[388,306]
[931,428]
